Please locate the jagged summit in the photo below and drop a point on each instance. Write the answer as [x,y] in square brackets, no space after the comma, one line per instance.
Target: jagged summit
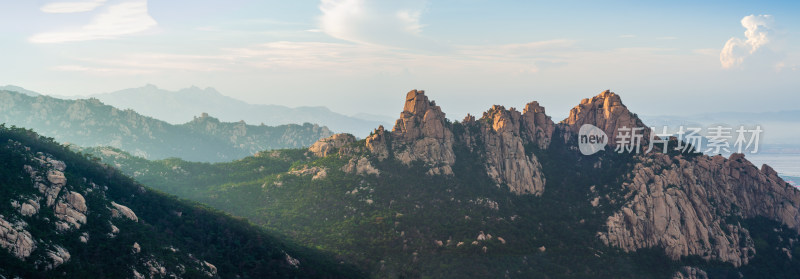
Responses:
[607,112]
[421,118]
[423,134]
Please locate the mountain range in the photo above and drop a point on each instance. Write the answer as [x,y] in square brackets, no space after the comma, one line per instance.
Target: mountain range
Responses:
[63,215]
[180,106]
[89,122]
[505,195]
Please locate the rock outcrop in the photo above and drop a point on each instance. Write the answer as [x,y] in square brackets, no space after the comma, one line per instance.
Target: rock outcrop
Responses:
[14,238]
[71,210]
[325,146]
[317,172]
[378,143]
[607,112]
[58,256]
[120,210]
[360,166]
[681,204]
[690,272]
[502,139]
[421,134]
[501,136]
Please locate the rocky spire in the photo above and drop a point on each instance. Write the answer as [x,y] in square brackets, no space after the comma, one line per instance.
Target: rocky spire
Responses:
[420,118]
[422,133]
[607,112]
[536,125]
[504,134]
[419,134]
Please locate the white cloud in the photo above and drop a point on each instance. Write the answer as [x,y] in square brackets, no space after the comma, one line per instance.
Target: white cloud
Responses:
[328,58]
[757,35]
[117,20]
[375,23]
[72,7]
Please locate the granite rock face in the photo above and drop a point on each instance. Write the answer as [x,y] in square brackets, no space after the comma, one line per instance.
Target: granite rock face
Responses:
[501,138]
[14,238]
[325,146]
[681,204]
[420,134]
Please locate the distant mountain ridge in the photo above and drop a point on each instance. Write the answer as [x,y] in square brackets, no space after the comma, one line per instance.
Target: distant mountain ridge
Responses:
[179,107]
[89,122]
[19,90]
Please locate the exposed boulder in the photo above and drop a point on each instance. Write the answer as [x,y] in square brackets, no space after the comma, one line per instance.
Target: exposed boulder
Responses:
[72,212]
[325,146]
[29,208]
[317,172]
[360,166]
[690,272]
[15,239]
[58,256]
[121,210]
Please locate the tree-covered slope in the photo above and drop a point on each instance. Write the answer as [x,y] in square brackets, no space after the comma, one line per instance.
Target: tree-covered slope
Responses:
[88,122]
[63,215]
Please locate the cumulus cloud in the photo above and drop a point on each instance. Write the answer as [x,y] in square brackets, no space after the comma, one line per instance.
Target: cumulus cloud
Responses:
[72,7]
[125,18]
[757,35]
[375,23]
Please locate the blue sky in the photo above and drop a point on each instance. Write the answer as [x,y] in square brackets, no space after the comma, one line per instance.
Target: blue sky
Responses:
[362,56]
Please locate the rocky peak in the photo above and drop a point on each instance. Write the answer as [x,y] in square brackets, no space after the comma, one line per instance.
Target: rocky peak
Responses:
[504,134]
[537,125]
[377,143]
[607,112]
[503,120]
[420,133]
[421,118]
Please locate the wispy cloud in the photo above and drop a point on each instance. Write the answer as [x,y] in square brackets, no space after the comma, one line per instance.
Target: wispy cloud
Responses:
[374,23]
[347,59]
[72,7]
[627,36]
[117,20]
[667,38]
[757,34]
